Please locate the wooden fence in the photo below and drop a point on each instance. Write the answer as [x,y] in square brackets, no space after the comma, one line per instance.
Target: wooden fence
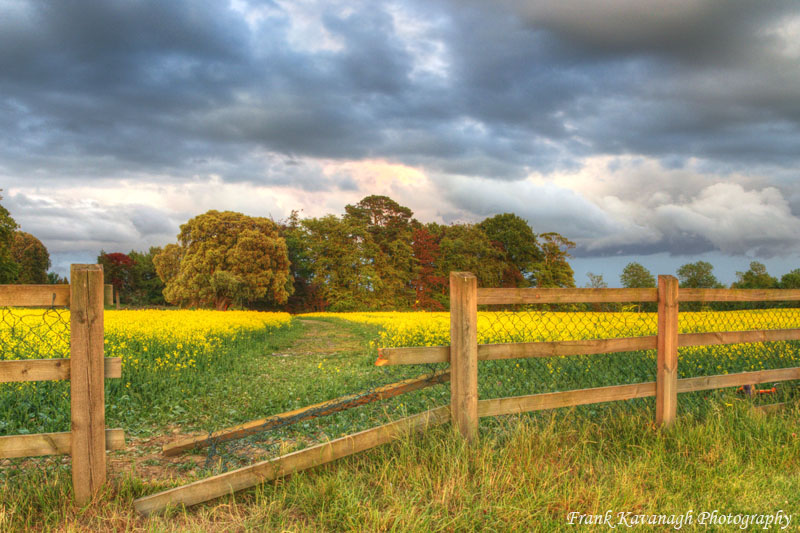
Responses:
[464,354]
[464,351]
[86,370]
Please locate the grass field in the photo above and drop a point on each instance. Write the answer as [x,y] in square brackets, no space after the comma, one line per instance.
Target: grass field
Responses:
[525,474]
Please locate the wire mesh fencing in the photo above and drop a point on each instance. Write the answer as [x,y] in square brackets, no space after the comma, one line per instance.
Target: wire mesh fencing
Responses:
[31,406]
[696,361]
[558,323]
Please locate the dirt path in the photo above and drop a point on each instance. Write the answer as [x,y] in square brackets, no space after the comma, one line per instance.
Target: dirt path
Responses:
[322,338]
[318,338]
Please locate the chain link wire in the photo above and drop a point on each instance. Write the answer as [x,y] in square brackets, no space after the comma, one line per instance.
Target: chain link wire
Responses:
[696,361]
[33,407]
[544,323]
[375,396]
[566,322]
[372,399]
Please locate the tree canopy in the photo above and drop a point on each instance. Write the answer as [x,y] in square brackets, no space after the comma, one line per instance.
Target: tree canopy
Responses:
[514,237]
[698,275]
[755,278]
[636,276]
[222,258]
[553,270]
[31,257]
[8,267]
[791,280]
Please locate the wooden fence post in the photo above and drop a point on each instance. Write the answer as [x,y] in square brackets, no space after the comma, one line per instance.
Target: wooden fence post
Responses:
[464,353]
[667,373]
[86,381]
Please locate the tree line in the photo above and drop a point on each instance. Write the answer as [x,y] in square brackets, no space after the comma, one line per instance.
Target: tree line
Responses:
[375,256]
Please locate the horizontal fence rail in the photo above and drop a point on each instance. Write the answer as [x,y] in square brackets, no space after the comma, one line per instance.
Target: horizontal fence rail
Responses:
[521,350]
[50,369]
[43,295]
[86,369]
[39,444]
[667,296]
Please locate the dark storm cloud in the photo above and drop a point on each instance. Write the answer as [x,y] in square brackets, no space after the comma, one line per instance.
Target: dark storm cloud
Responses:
[475,92]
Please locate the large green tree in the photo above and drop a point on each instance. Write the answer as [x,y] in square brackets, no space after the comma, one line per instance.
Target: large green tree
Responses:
[308,294]
[756,277]
[553,270]
[466,247]
[515,238]
[146,287]
[791,280]
[388,229]
[222,258]
[339,252]
[698,275]
[31,257]
[636,276]
[8,267]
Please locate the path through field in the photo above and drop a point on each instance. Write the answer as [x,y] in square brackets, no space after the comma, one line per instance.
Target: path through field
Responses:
[267,368]
[323,338]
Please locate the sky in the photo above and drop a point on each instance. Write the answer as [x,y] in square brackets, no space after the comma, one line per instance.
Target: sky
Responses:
[649,131]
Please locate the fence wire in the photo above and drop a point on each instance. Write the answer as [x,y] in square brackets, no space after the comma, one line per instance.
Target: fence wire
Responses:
[695,361]
[33,407]
[366,402]
[543,323]
[318,414]
[575,322]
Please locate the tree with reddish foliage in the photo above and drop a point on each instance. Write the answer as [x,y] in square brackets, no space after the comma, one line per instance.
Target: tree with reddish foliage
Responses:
[117,269]
[430,288]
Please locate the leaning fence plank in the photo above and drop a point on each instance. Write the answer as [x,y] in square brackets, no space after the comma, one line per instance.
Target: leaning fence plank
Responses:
[229,482]
[34,295]
[39,444]
[562,296]
[553,400]
[86,381]
[309,412]
[415,355]
[50,369]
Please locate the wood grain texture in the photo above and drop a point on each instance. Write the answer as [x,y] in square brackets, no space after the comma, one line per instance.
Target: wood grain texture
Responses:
[667,355]
[230,482]
[50,369]
[737,337]
[738,295]
[738,379]
[86,381]
[464,353]
[553,400]
[39,444]
[34,295]
[563,296]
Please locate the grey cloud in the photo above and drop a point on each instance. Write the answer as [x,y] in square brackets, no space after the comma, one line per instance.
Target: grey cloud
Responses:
[546,207]
[722,217]
[181,91]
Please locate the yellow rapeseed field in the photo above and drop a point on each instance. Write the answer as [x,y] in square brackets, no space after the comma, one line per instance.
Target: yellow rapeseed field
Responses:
[399,329]
[146,339]
[432,329]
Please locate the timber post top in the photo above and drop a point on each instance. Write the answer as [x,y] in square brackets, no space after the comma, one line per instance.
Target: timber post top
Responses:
[86,267]
[463,275]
